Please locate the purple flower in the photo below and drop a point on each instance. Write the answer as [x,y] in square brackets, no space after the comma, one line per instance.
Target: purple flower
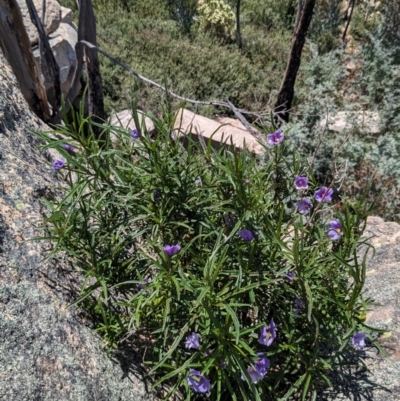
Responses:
[156,196]
[140,286]
[276,138]
[229,220]
[255,376]
[324,194]
[135,134]
[197,382]
[304,206]
[335,230]
[172,249]
[300,182]
[68,148]
[223,364]
[260,369]
[197,182]
[267,334]
[246,235]
[262,364]
[298,305]
[246,181]
[58,164]
[290,275]
[358,340]
[193,341]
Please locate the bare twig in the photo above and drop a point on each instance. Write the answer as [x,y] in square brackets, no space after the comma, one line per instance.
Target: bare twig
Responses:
[238,112]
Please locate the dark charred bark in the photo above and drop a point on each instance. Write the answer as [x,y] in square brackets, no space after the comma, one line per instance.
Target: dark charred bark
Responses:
[49,65]
[352,4]
[87,32]
[239,41]
[286,91]
[95,87]
[14,43]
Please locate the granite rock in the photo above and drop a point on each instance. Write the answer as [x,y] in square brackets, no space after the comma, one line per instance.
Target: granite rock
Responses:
[47,352]
[62,42]
[52,17]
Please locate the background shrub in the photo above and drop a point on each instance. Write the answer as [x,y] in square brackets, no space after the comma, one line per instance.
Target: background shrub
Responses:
[154,40]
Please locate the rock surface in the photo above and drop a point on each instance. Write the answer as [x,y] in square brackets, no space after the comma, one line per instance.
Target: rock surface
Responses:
[62,42]
[342,121]
[200,126]
[52,18]
[124,119]
[67,16]
[46,352]
[382,383]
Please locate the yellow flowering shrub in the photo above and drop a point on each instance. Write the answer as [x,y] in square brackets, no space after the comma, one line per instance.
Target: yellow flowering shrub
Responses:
[217,17]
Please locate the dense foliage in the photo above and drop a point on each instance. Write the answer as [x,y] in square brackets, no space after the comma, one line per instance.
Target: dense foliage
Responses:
[164,41]
[239,276]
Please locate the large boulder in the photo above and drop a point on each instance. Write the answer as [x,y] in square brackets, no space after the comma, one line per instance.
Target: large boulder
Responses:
[344,121]
[62,42]
[124,119]
[52,17]
[189,123]
[46,352]
[67,16]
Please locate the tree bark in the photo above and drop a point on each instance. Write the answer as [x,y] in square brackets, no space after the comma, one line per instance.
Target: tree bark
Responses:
[87,32]
[48,63]
[95,87]
[16,48]
[352,4]
[286,91]
[239,41]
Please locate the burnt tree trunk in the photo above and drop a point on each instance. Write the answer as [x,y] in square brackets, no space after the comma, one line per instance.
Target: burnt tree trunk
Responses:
[14,43]
[352,4]
[87,32]
[95,87]
[239,41]
[286,91]
[48,63]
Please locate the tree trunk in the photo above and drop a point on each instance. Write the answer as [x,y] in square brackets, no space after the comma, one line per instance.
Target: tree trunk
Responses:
[87,32]
[352,4]
[49,64]
[286,91]
[238,33]
[16,48]
[95,87]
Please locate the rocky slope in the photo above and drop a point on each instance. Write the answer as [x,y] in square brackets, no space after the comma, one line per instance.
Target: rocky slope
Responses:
[46,352]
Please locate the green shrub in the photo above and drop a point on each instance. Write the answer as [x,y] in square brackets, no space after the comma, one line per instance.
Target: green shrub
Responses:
[325,87]
[216,17]
[199,68]
[212,259]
